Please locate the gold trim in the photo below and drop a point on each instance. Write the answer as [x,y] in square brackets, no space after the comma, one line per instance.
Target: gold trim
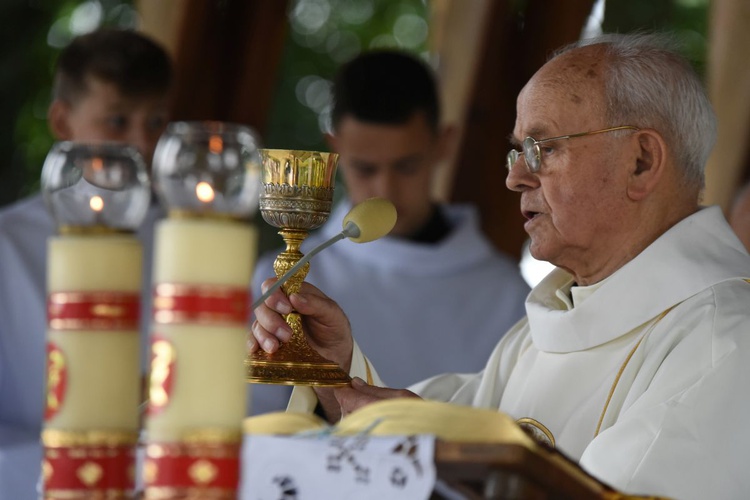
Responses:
[106,324]
[203,472]
[108,494]
[539,426]
[181,213]
[68,229]
[624,365]
[212,436]
[47,470]
[90,473]
[162,368]
[111,297]
[195,449]
[108,310]
[55,438]
[194,493]
[179,290]
[369,372]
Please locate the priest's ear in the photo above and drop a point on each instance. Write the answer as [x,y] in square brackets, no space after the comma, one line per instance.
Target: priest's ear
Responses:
[58,120]
[649,163]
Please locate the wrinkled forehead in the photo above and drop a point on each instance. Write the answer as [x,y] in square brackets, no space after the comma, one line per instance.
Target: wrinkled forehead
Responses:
[565,96]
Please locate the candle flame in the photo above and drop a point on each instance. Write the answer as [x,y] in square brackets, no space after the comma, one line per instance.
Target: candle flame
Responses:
[204,192]
[215,144]
[96,203]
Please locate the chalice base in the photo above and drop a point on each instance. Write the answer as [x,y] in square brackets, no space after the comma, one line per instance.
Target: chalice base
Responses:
[307,369]
[294,363]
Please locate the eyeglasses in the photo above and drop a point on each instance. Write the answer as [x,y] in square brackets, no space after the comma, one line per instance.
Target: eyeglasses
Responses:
[533,155]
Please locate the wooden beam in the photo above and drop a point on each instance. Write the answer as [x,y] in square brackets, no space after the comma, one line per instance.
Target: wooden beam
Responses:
[226,59]
[456,34]
[161,21]
[729,87]
[515,45]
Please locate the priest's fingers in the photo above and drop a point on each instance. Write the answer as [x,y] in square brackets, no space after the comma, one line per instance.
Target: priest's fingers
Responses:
[278,301]
[269,328]
[363,387]
[360,394]
[326,325]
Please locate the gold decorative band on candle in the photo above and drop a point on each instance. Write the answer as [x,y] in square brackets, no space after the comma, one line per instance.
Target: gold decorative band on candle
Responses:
[201,304]
[99,310]
[163,356]
[205,466]
[57,380]
[89,230]
[84,465]
[176,213]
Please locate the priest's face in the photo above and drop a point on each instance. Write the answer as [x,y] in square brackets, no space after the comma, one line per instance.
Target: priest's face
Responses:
[576,202]
[390,161]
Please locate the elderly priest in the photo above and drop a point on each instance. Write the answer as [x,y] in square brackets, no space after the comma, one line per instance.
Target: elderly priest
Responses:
[634,357]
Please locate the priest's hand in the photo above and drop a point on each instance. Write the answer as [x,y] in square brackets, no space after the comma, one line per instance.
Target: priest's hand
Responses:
[327,327]
[360,394]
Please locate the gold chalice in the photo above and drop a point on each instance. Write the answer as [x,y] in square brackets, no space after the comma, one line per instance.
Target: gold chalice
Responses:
[296,196]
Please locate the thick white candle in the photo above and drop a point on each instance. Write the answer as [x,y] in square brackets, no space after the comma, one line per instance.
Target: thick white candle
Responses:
[102,366]
[201,356]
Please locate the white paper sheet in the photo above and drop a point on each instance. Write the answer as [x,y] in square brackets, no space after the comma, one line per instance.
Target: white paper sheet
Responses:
[324,466]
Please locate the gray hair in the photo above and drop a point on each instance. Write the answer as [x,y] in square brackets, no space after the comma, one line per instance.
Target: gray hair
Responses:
[650,85]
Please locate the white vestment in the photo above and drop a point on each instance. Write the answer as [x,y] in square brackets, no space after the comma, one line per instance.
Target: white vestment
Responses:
[645,379]
[401,298]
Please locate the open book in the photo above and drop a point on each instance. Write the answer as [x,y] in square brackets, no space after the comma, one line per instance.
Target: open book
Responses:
[472,446]
[404,416]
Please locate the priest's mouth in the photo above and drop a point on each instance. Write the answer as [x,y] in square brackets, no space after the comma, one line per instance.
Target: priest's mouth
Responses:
[529,215]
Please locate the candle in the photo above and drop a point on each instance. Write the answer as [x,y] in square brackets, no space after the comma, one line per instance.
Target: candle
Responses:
[197,394]
[93,284]
[93,389]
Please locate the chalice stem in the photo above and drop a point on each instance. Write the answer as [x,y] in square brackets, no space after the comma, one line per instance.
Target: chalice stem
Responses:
[287,259]
[293,270]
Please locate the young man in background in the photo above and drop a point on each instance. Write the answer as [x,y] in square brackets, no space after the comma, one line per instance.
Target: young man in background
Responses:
[401,292]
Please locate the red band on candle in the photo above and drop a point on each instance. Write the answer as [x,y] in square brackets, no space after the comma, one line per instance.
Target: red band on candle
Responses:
[72,470]
[162,374]
[93,310]
[192,467]
[205,304]
[57,380]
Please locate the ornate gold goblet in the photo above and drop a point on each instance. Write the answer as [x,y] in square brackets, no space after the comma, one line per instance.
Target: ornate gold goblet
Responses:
[296,196]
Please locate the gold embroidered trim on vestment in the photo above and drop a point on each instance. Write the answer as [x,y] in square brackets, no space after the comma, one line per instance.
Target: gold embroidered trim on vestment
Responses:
[622,369]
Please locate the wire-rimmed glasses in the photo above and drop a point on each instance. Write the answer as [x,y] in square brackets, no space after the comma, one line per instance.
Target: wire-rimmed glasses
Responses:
[533,155]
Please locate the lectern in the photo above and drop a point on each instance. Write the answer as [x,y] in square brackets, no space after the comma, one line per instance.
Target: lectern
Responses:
[512,471]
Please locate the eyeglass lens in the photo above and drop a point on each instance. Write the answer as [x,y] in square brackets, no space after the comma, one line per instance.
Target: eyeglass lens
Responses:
[511,159]
[532,155]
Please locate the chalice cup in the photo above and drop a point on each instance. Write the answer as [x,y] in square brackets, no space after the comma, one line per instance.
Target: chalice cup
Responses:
[296,196]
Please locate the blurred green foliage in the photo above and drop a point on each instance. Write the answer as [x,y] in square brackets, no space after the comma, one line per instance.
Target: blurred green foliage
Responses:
[322,35]
[688,19]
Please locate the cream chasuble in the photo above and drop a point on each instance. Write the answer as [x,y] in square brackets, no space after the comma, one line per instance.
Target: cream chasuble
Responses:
[645,379]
